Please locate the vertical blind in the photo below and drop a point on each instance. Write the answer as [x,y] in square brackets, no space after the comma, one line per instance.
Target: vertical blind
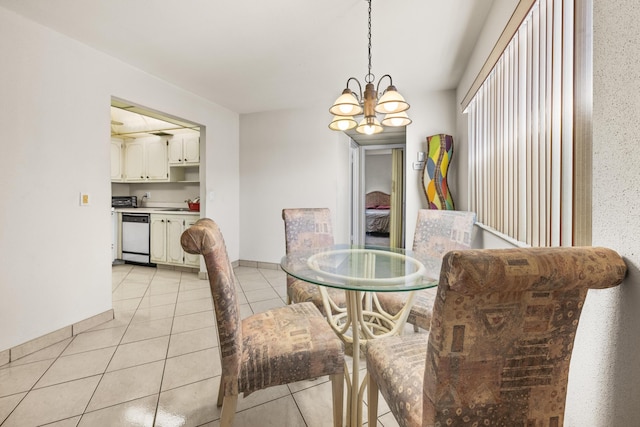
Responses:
[520,132]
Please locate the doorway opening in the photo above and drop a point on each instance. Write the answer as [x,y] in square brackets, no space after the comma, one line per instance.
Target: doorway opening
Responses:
[157,161]
[378,194]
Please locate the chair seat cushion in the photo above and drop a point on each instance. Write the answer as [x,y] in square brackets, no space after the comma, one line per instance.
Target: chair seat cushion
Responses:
[397,366]
[288,344]
[301,291]
[420,314]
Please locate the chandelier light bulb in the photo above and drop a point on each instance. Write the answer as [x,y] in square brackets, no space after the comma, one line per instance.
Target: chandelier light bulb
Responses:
[397,121]
[390,106]
[346,110]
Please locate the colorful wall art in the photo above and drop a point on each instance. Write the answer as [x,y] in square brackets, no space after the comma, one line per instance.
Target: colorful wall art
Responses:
[434,178]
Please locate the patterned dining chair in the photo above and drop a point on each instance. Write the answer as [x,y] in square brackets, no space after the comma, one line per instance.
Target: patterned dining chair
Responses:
[500,342]
[437,232]
[279,346]
[309,228]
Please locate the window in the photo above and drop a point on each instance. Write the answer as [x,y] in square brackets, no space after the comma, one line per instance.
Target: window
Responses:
[529,150]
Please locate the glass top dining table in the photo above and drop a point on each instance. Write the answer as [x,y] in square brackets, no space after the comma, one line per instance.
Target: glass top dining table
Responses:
[362,271]
[362,268]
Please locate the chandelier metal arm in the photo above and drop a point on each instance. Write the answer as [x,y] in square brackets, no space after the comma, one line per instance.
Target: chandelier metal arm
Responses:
[380,81]
[359,88]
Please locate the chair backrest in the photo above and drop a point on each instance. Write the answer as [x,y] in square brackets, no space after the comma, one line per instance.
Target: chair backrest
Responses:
[307,228]
[205,238]
[440,231]
[502,332]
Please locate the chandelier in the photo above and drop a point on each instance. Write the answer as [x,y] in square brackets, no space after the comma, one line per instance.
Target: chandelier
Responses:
[348,105]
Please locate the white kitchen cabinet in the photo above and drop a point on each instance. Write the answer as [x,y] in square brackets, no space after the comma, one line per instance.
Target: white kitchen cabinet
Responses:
[146,160]
[165,239]
[156,158]
[134,167]
[192,260]
[184,150]
[175,227]
[158,238]
[116,160]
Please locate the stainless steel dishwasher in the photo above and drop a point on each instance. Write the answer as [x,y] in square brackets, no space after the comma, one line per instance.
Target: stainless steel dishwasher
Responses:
[135,238]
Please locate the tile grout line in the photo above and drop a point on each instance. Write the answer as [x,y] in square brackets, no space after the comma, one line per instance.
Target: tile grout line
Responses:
[117,346]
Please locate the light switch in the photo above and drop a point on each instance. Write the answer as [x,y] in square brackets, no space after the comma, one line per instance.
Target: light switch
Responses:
[421,156]
[84,199]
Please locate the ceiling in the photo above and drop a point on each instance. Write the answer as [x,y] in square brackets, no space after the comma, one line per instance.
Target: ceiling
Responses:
[128,121]
[255,55]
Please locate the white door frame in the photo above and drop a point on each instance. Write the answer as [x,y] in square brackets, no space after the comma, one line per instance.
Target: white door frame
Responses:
[357,162]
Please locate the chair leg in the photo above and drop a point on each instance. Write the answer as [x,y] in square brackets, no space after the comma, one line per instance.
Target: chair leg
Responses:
[372,400]
[228,410]
[337,394]
[415,328]
[220,393]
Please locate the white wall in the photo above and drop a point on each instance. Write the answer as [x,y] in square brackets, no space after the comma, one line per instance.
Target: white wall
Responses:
[55,260]
[613,322]
[289,159]
[604,381]
[377,173]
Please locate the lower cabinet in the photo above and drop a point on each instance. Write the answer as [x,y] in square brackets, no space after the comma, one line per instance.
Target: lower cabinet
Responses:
[165,240]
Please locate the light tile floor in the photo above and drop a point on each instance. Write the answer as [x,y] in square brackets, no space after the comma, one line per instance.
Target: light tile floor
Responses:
[156,363]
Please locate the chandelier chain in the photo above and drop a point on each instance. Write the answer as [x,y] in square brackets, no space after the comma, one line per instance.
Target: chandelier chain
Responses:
[369,77]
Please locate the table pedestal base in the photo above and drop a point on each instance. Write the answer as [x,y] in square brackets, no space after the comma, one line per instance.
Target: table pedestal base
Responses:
[356,324]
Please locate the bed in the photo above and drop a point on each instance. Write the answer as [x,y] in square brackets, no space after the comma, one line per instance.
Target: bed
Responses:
[377,212]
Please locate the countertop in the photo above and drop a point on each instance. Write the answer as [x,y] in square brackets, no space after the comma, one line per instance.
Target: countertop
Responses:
[158,210]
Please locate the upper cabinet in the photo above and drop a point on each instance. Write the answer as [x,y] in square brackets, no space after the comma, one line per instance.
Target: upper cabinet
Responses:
[116,160]
[148,148]
[156,159]
[184,150]
[145,160]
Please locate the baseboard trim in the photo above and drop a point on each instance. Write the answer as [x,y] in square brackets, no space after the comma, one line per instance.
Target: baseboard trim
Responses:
[259,264]
[36,344]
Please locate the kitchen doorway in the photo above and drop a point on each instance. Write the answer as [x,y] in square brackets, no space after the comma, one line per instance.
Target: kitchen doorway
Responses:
[170,182]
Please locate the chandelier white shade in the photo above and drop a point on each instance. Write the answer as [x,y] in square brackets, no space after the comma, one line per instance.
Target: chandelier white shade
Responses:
[396,119]
[342,123]
[391,102]
[350,104]
[346,105]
